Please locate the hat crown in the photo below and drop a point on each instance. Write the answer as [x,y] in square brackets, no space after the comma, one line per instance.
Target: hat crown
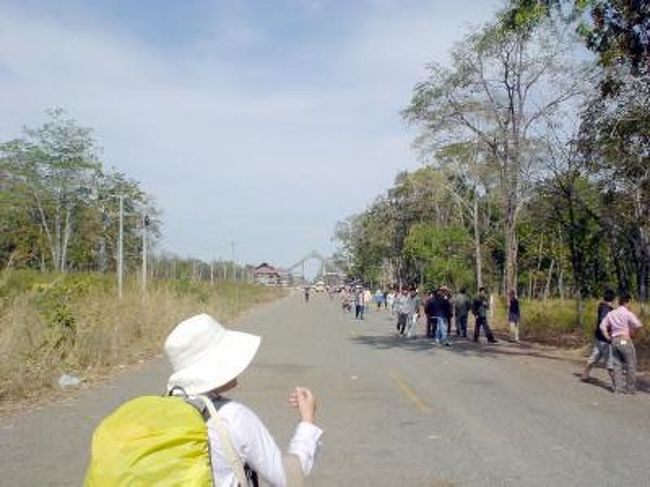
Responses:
[192,339]
[205,355]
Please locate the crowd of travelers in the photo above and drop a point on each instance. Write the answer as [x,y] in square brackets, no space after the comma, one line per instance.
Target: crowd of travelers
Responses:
[440,308]
[443,310]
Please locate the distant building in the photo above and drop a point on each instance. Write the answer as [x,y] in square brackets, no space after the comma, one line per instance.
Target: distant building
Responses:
[267,275]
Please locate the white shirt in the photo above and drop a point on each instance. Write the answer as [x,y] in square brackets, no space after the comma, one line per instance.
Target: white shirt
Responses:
[257,448]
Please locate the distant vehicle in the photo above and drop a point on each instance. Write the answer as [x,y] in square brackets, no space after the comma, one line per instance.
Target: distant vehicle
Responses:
[319,287]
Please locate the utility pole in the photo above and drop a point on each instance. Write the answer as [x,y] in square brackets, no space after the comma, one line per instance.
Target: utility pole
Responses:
[145,224]
[120,250]
[232,259]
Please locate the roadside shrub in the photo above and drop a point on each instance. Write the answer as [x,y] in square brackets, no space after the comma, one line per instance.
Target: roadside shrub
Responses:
[75,323]
[553,321]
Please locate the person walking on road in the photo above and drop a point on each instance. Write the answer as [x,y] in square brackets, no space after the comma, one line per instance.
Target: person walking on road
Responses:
[207,358]
[359,303]
[602,350]
[401,307]
[440,309]
[390,302]
[618,327]
[379,298]
[345,301]
[367,299]
[414,303]
[514,315]
[447,307]
[462,304]
[429,312]
[480,308]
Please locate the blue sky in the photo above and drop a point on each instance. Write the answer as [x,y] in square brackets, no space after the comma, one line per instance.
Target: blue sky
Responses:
[262,122]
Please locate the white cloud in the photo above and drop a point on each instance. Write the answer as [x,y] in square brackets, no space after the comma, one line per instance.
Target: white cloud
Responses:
[236,150]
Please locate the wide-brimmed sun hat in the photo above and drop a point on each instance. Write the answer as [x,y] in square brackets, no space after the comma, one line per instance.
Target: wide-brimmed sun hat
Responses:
[204,355]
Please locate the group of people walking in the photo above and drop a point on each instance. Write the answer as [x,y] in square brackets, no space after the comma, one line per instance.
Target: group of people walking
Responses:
[356,298]
[442,308]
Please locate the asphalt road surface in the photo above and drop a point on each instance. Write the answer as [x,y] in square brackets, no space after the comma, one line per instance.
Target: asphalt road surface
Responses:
[395,411]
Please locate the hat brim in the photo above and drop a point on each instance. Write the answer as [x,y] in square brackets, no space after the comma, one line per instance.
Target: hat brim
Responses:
[225,361]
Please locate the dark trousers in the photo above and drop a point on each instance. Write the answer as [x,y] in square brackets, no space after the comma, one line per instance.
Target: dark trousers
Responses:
[401,322]
[481,321]
[461,325]
[432,325]
[358,311]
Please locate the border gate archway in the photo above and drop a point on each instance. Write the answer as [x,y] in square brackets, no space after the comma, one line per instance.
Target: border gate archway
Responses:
[328,272]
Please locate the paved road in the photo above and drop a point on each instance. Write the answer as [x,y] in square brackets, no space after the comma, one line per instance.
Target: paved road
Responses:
[396,411]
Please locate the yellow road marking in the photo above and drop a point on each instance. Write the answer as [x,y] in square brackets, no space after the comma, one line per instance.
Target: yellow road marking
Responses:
[423,407]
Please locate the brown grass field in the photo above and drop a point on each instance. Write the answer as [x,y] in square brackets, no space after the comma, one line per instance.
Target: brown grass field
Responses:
[50,325]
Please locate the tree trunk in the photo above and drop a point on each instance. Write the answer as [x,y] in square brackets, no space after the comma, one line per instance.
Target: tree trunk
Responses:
[57,239]
[547,288]
[477,245]
[46,229]
[511,254]
[67,231]
[539,263]
[643,274]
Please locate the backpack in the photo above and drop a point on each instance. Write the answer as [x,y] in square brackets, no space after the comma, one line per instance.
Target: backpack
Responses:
[154,440]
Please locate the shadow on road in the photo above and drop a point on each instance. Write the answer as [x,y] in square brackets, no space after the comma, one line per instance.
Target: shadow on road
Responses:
[465,347]
[458,345]
[642,383]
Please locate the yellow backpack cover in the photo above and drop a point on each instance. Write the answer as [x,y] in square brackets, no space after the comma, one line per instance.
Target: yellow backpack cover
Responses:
[151,440]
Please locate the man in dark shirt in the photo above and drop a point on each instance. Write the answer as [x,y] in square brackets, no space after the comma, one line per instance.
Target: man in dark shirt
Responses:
[602,350]
[429,310]
[514,315]
[480,307]
[439,309]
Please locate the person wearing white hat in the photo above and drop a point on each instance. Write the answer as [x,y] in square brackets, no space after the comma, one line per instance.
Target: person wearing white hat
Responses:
[206,359]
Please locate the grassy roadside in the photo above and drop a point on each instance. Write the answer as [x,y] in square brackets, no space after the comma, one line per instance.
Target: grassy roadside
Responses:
[55,324]
[553,322]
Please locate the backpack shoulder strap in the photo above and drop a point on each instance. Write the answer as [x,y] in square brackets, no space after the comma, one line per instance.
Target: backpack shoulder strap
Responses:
[226,443]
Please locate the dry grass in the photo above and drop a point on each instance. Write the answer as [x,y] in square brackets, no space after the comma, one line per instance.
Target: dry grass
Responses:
[51,325]
[554,322]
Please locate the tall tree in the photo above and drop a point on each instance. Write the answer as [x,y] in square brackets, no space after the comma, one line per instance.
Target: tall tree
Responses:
[55,165]
[615,143]
[471,172]
[502,89]
[59,208]
[616,30]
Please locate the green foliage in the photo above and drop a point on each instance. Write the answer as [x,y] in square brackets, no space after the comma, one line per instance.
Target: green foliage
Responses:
[614,29]
[58,207]
[551,319]
[444,254]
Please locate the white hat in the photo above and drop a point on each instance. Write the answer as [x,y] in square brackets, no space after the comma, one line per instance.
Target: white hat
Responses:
[205,355]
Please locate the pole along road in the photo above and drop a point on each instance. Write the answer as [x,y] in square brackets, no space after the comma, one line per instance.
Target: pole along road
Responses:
[395,411]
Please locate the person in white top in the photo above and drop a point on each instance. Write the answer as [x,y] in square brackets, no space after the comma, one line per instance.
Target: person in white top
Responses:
[207,359]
